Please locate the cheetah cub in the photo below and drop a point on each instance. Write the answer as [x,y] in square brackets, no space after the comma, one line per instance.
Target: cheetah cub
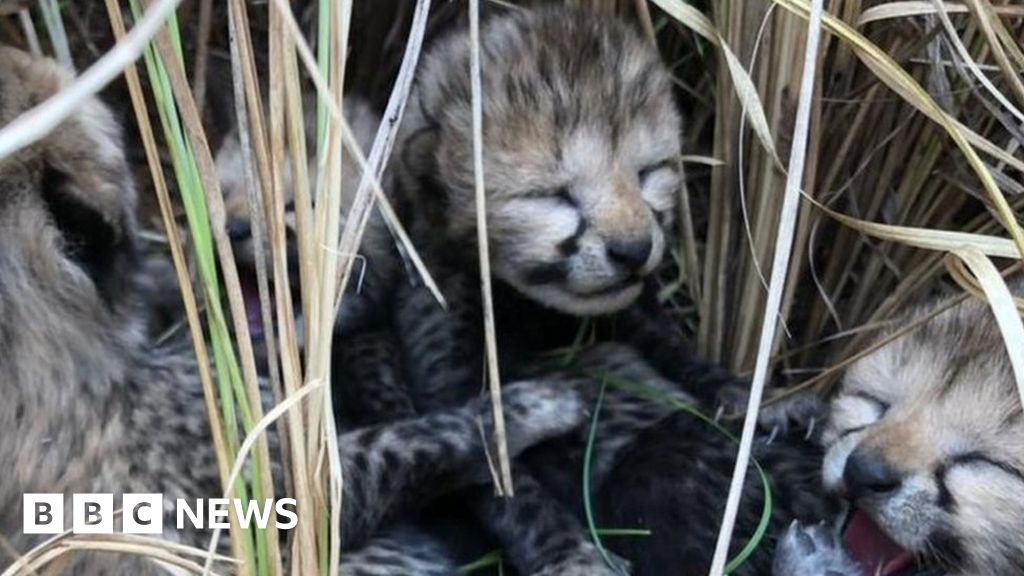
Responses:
[581,150]
[377,263]
[90,406]
[581,142]
[926,441]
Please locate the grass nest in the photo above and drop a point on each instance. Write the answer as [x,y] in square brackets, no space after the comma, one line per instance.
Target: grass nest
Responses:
[903,150]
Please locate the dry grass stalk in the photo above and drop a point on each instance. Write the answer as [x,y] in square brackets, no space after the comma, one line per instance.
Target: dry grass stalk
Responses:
[776,286]
[178,257]
[304,555]
[53,555]
[252,138]
[42,119]
[505,487]
[328,226]
[900,10]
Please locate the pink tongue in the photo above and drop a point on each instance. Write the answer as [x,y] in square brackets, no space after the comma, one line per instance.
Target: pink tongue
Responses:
[875,552]
[253,312]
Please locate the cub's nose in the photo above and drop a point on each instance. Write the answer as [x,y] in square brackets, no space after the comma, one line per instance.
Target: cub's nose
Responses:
[630,254]
[868,474]
[239,230]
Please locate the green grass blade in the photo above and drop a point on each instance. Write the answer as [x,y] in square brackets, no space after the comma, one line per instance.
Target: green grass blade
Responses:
[233,399]
[643,390]
[587,459]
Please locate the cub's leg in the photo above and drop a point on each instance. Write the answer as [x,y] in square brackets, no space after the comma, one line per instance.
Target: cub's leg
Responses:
[540,535]
[401,550]
[402,464]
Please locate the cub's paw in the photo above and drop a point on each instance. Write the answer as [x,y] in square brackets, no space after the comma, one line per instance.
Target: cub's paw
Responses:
[811,551]
[536,410]
[802,411]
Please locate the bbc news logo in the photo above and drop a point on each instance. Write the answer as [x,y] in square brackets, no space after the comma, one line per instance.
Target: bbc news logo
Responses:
[144,513]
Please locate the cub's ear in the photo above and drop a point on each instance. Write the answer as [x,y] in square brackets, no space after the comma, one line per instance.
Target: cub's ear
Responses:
[102,247]
[88,189]
[85,182]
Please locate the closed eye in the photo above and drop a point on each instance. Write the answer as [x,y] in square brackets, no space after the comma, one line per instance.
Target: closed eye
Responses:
[881,405]
[876,407]
[666,164]
[560,194]
[981,459]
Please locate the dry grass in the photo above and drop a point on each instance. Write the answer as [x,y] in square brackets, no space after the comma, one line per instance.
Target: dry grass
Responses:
[874,160]
[911,179]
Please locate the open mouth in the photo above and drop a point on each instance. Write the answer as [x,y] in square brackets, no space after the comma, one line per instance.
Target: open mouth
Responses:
[253,308]
[251,298]
[873,550]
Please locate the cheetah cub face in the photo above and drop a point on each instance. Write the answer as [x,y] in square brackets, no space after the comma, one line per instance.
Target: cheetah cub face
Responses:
[926,440]
[581,145]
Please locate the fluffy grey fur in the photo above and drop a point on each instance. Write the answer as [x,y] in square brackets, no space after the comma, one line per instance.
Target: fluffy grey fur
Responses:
[89,406]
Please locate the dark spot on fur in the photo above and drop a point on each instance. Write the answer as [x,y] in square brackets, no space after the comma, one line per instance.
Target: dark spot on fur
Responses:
[527,511]
[392,461]
[949,550]
[570,245]
[360,462]
[369,437]
[564,195]
[421,456]
[945,499]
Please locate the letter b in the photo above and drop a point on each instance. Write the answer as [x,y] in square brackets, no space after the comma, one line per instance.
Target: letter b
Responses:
[43,514]
[92,513]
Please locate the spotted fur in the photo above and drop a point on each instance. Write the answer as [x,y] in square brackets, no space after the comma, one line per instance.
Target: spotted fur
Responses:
[90,406]
[581,170]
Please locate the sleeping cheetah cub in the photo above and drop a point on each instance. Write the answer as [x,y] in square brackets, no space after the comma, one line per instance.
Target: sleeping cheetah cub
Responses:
[581,148]
[377,265]
[90,406]
[926,441]
[581,151]
[581,166]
